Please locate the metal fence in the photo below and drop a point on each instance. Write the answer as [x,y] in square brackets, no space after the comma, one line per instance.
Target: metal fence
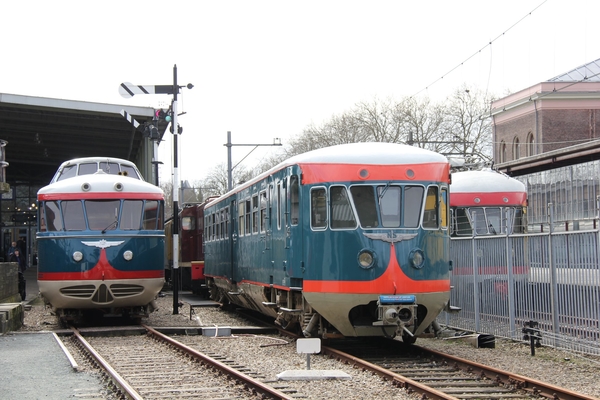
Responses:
[503,283]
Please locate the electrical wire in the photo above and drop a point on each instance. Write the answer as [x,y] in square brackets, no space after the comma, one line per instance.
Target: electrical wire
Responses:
[479,51]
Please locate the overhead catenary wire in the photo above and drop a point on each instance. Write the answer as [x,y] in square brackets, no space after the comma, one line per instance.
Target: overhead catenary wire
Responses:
[479,51]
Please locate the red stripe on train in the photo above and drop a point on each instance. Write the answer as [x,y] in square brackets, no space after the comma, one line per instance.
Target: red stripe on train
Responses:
[317,173]
[103,195]
[487,199]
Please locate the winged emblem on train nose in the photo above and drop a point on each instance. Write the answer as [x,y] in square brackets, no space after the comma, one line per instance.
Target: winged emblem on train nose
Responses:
[103,244]
[390,237]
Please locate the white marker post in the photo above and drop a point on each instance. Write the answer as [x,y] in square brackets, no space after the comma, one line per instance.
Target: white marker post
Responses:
[308,347]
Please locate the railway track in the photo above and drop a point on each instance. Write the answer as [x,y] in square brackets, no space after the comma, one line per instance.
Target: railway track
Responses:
[155,366]
[436,375]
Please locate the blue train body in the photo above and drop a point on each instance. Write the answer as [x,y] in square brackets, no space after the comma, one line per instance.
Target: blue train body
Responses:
[101,244]
[319,239]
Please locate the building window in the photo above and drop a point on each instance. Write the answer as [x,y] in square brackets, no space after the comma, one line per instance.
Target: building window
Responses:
[502,151]
[530,144]
[516,154]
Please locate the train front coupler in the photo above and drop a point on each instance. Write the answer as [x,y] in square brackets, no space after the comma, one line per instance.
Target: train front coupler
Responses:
[398,312]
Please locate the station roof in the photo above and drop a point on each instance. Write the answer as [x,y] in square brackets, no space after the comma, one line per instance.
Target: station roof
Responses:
[43,132]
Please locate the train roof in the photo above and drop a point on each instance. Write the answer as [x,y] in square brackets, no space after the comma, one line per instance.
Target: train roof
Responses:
[369,153]
[376,153]
[100,183]
[486,188]
[123,164]
[485,180]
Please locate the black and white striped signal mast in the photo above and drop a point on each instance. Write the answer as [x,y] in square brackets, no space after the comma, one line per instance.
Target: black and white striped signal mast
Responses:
[129,90]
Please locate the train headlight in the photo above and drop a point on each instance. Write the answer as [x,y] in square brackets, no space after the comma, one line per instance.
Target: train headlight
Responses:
[366,259]
[128,255]
[417,259]
[77,256]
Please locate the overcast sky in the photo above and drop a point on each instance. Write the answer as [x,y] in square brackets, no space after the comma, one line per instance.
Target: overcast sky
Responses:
[266,69]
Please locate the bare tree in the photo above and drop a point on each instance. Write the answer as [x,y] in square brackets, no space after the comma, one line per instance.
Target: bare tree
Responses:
[469,126]
[167,188]
[215,183]
[422,122]
[452,127]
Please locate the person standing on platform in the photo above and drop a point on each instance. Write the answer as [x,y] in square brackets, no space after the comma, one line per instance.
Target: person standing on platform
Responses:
[20,260]
[11,250]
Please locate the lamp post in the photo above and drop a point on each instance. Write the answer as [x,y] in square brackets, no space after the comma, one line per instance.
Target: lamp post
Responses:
[276,142]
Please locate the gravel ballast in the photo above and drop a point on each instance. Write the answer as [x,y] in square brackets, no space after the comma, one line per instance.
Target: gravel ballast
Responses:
[573,371]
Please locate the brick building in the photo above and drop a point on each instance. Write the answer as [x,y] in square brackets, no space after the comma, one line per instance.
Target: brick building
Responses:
[548,116]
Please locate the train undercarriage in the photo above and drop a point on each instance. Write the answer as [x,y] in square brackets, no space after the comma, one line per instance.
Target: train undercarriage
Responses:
[325,315]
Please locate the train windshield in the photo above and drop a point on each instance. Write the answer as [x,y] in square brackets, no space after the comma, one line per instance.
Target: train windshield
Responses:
[101,215]
[389,206]
[487,220]
[91,167]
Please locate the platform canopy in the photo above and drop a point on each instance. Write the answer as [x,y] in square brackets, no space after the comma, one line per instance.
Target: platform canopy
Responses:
[43,132]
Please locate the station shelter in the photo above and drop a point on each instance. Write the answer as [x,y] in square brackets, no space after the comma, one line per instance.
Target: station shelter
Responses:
[38,134]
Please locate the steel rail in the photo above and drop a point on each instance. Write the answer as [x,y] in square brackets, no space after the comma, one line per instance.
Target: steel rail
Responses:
[248,381]
[115,377]
[397,379]
[533,386]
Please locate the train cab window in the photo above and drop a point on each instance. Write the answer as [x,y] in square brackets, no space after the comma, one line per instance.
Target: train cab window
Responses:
[102,214]
[444,207]
[43,227]
[389,205]
[478,219]
[494,220]
[88,168]
[412,205]
[74,219]
[68,172]
[431,213]
[188,223]
[518,221]
[318,208]
[53,216]
[342,215]
[364,201]
[129,171]
[295,199]
[111,168]
[461,222]
[131,216]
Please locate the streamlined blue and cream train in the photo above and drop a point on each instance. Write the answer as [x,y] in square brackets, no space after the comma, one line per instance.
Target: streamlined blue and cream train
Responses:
[350,240]
[100,239]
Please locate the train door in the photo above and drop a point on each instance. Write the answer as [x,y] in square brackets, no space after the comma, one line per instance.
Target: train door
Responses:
[293,229]
[233,237]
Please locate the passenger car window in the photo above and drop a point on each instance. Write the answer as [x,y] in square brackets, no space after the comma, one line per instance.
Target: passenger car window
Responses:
[318,208]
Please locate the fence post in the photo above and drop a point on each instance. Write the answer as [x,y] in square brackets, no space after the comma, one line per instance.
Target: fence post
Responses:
[510,272]
[476,296]
[553,276]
